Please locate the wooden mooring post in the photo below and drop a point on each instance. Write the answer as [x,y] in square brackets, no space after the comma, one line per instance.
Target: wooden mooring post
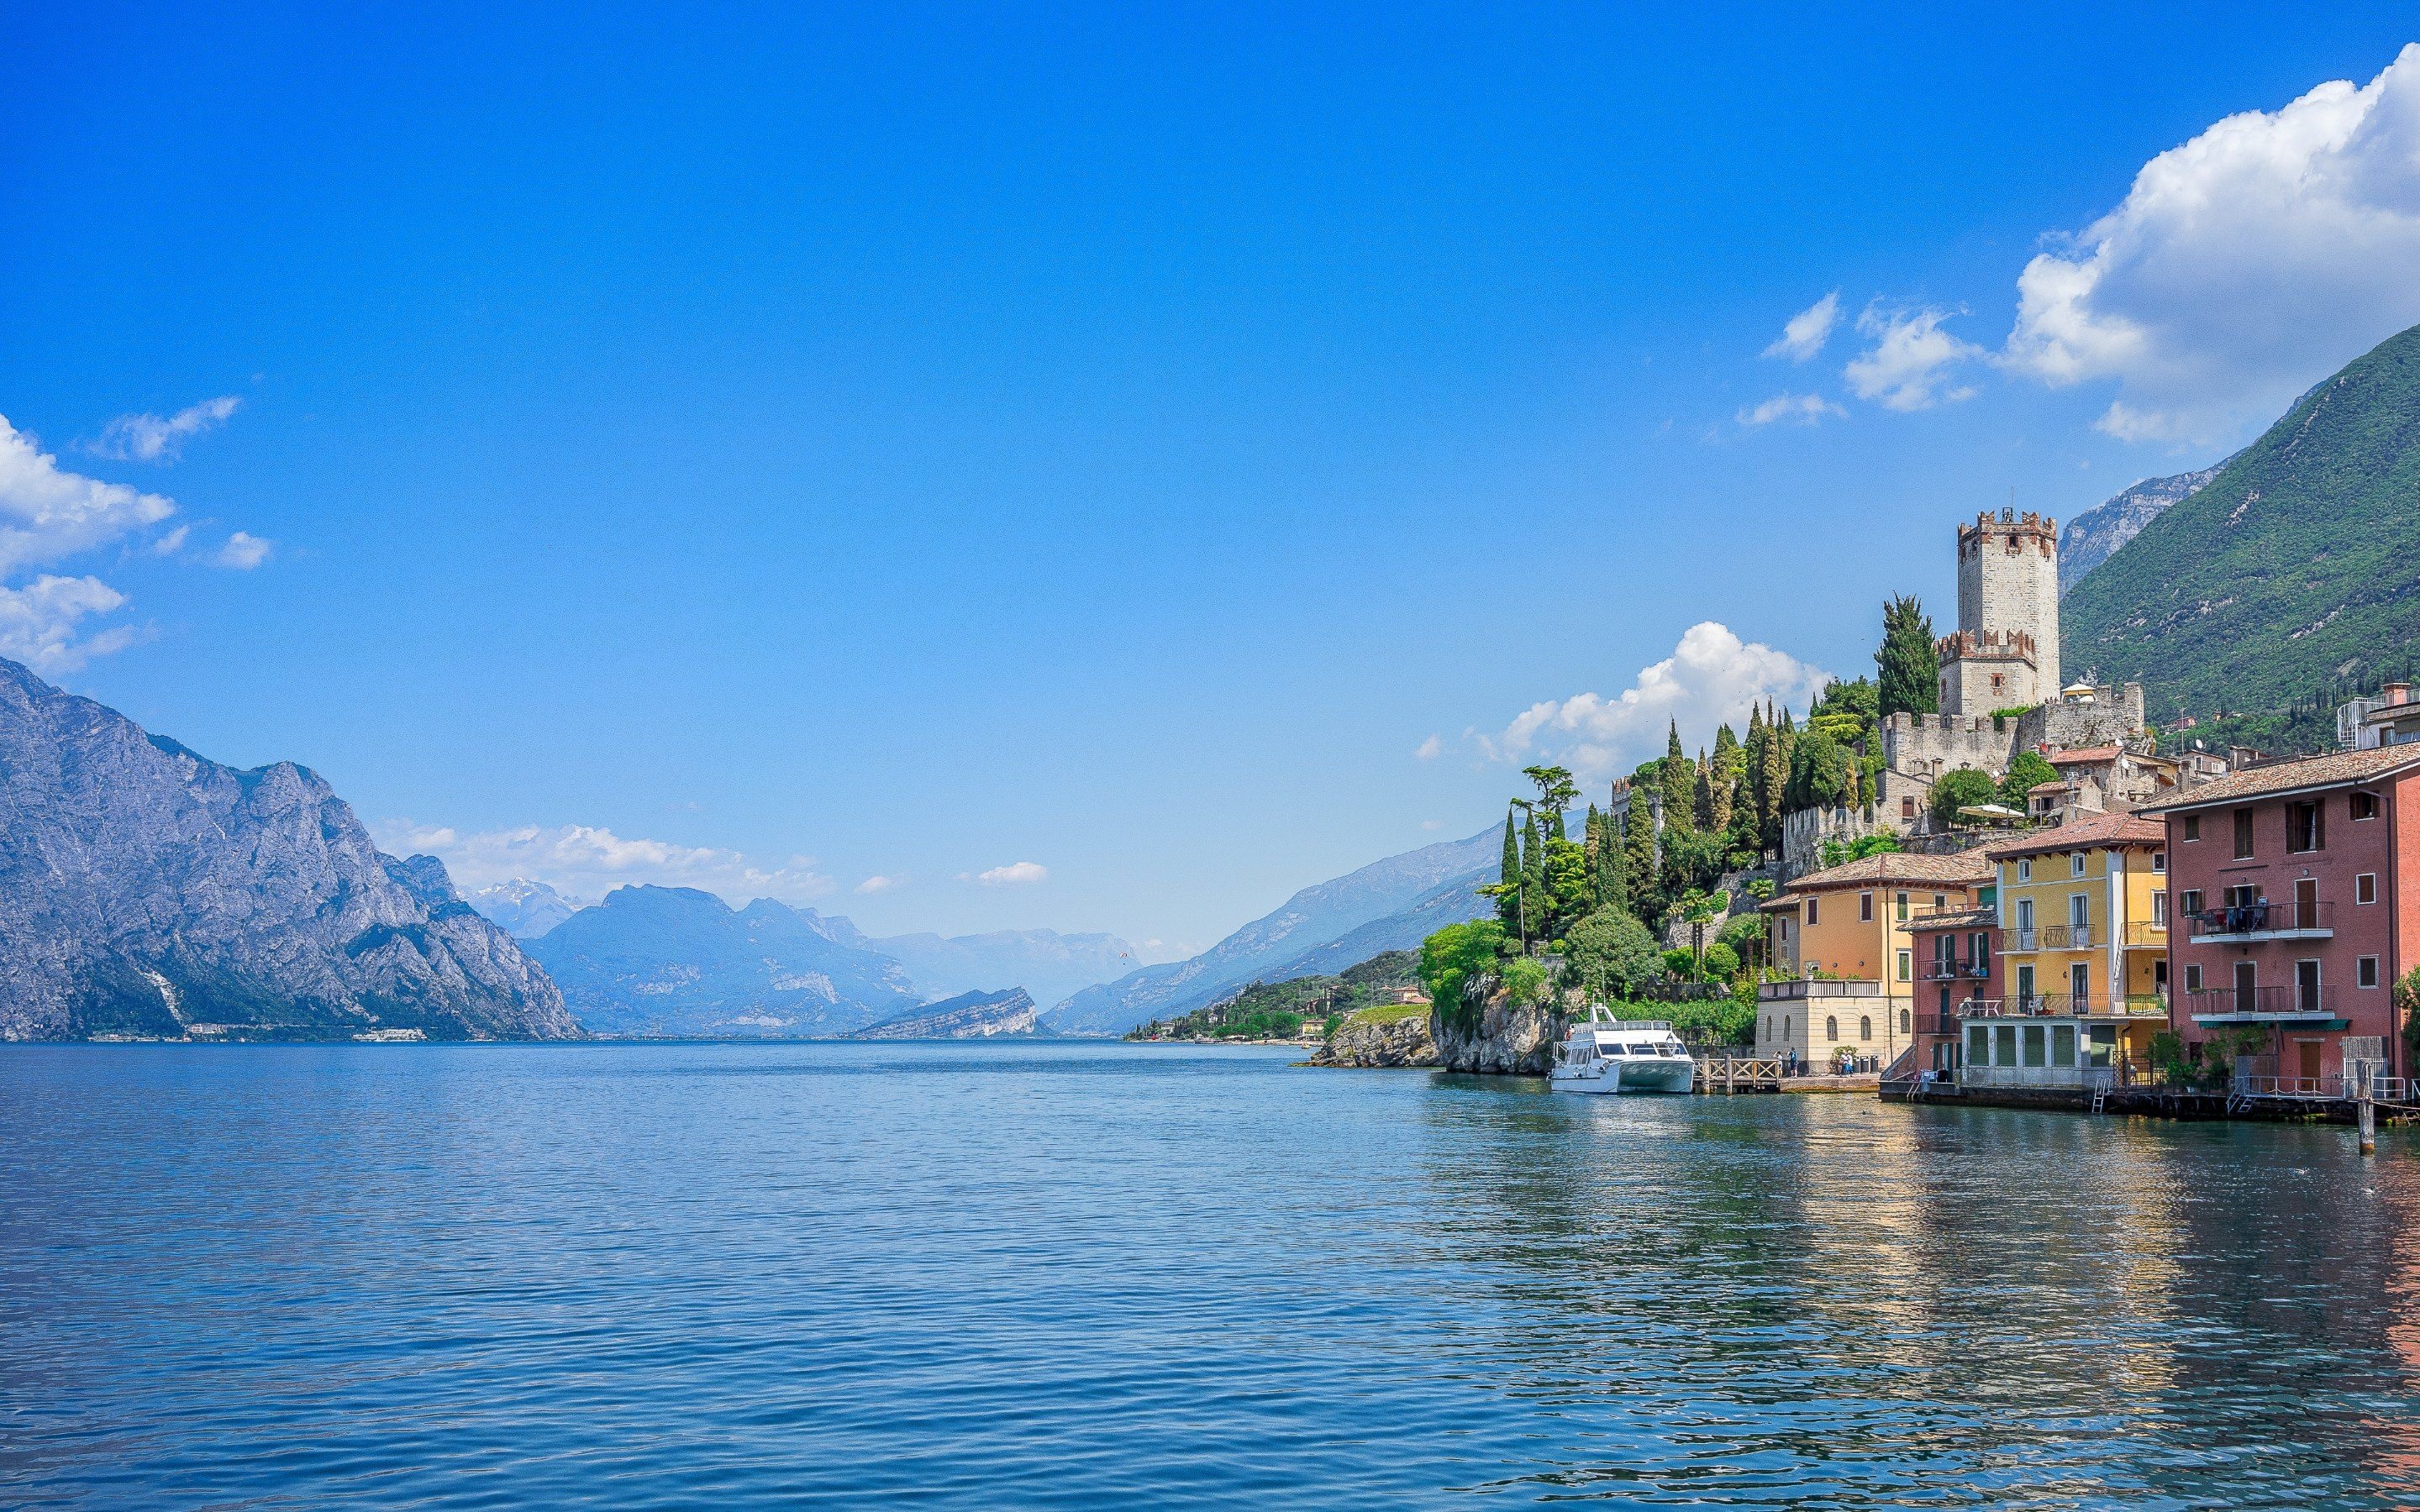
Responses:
[2365,1114]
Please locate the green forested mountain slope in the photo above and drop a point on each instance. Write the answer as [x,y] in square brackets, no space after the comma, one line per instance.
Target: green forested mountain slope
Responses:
[2298,566]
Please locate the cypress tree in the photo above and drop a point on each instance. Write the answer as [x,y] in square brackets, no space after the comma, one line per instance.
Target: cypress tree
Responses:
[1679,785]
[1508,903]
[1591,888]
[1720,783]
[1906,666]
[1727,755]
[1701,794]
[1533,875]
[1638,851]
[1612,886]
[1773,782]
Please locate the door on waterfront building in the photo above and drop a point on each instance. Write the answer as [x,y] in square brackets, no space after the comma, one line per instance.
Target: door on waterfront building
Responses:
[2079,987]
[2307,1052]
[2306,902]
[2025,986]
[2307,986]
[2243,978]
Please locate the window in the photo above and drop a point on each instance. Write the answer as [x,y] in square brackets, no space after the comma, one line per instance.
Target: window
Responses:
[2364,887]
[1866,1026]
[2243,834]
[2365,805]
[2075,865]
[2159,863]
[1903,975]
[1978,946]
[2034,1044]
[2159,910]
[2303,829]
[2366,971]
[1979,1044]
[1940,901]
[2004,1043]
[2079,910]
[1907,1017]
[1865,908]
[1782,920]
[1810,911]
[1768,1026]
[2193,977]
[2025,870]
[2025,918]
[1785,1025]
[2189,902]
[2193,826]
[1831,1027]
[2242,895]
[2062,1044]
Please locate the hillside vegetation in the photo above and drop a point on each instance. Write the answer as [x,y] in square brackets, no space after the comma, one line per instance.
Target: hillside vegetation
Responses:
[2294,570]
[1279,1009]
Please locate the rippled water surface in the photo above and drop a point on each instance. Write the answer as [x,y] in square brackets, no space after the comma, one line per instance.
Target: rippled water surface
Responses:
[1017,1275]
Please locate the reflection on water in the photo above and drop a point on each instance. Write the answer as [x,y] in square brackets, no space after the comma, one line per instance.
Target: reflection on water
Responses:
[1017,1273]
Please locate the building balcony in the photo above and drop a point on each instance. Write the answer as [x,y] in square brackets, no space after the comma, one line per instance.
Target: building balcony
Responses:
[2050,937]
[2151,936]
[1939,971]
[2310,1006]
[1804,987]
[2252,922]
[2066,1006]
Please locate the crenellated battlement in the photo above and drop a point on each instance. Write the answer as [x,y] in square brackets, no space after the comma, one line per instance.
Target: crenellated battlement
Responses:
[2011,529]
[2014,645]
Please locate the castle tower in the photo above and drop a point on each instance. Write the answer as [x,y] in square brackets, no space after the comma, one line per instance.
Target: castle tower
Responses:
[2004,654]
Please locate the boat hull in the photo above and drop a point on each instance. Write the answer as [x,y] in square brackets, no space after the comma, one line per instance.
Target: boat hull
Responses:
[1632,1079]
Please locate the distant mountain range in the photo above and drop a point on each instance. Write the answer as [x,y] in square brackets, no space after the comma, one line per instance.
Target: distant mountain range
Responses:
[967,1016]
[1388,905]
[148,891]
[2294,569]
[526,909]
[674,960]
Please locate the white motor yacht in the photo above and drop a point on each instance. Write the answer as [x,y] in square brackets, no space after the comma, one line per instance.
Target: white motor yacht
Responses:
[1609,1056]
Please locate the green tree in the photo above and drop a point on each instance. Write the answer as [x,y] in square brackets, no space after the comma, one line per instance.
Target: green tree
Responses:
[1679,781]
[1556,791]
[1727,755]
[1744,933]
[1639,851]
[1907,670]
[2027,773]
[1701,797]
[1456,959]
[1719,963]
[1612,875]
[1507,890]
[1780,750]
[1960,789]
[1533,876]
[1697,909]
[1819,773]
[1565,868]
[1610,955]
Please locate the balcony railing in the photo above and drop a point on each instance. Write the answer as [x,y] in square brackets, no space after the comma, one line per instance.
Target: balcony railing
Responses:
[2065,1006]
[2263,1001]
[2265,920]
[2065,937]
[2153,935]
[2146,1005]
[1938,970]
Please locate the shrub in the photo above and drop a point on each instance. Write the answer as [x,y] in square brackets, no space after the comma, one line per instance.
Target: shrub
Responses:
[1960,789]
[1722,963]
[1610,955]
[1453,959]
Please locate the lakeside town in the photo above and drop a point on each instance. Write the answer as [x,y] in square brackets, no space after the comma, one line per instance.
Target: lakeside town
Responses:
[2003,890]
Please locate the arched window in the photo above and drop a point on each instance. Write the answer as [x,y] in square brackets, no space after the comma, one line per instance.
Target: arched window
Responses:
[1831,1027]
[1907,1022]
[1866,1026]
[1785,1025]
[1768,1026]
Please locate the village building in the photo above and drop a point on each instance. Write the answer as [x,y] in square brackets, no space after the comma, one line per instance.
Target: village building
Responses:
[2083,962]
[1957,965]
[1843,936]
[2390,719]
[2295,891]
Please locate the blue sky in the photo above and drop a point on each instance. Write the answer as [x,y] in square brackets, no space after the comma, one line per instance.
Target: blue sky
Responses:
[842,457]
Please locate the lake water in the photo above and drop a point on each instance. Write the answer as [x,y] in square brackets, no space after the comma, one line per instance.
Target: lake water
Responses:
[1094,1275]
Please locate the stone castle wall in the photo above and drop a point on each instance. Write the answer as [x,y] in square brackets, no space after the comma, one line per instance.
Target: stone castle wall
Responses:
[2007,585]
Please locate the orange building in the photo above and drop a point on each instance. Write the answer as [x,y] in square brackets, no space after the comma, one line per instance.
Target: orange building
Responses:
[1843,935]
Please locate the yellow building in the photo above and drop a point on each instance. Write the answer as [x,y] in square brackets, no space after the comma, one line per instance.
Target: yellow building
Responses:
[2083,944]
[1842,933]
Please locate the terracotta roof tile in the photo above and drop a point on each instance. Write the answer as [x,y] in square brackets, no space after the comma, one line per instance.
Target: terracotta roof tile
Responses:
[1961,919]
[1965,867]
[2084,834]
[2331,770]
[2083,756]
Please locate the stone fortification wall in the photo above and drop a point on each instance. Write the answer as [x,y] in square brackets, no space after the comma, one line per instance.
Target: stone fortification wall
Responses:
[2112,718]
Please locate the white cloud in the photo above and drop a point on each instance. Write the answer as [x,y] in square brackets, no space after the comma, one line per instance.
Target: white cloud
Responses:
[1432,824]
[2242,267]
[878,885]
[47,513]
[1803,409]
[1910,358]
[593,861]
[172,543]
[1430,750]
[38,623]
[1015,874]
[243,552]
[150,438]
[1805,332]
[1710,677]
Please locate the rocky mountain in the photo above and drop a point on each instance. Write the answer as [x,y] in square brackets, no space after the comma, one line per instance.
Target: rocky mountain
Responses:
[677,962]
[1286,942]
[2093,535]
[148,891]
[523,908]
[2296,567]
[967,1016]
